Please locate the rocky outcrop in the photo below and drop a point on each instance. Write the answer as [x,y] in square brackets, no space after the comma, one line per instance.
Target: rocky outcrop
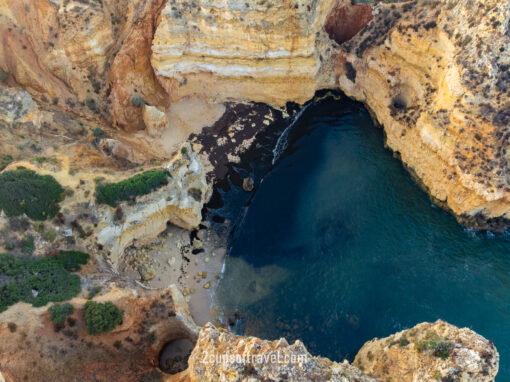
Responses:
[222,356]
[68,353]
[436,77]
[17,106]
[430,352]
[427,352]
[270,52]
[180,202]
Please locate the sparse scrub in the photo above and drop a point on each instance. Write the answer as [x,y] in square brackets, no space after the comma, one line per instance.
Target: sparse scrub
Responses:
[440,348]
[49,235]
[141,184]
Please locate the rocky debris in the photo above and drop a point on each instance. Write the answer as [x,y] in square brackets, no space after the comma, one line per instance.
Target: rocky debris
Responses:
[430,352]
[147,272]
[155,120]
[179,202]
[436,77]
[248,184]
[222,356]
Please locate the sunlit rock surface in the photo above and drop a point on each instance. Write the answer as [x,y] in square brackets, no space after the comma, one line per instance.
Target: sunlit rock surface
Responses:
[436,77]
[430,352]
[260,51]
[180,202]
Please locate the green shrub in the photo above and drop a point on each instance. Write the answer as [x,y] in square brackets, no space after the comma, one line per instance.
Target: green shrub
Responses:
[403,342]
[98,132]
[19,223]
[151,338]
[60,312]
[102,318]
[91,104]
[3,76]
[141,184]
[5,161]
[25,192]
[27,244]
[440,348]
[35,281]
[94,292]
[72,260]
[138,101]
[49,235]
[443,349]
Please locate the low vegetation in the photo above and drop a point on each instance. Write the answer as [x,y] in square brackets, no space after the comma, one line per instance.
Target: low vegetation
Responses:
[102,318]
[440,348]
[60,312]
[28,244]
[98,132]
[138,101]
[72,261]
[5,161]
[23,191]
[38,281]
[141,184]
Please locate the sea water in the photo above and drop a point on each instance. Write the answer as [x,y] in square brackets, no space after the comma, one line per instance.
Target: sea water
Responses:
[339,245]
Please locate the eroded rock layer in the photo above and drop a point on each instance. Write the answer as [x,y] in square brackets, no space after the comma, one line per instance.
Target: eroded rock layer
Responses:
[260,51]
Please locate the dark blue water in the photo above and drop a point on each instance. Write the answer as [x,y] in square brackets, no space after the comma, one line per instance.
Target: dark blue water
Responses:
[339,245]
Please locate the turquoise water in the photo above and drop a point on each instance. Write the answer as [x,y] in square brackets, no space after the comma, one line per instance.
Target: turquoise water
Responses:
[339,246]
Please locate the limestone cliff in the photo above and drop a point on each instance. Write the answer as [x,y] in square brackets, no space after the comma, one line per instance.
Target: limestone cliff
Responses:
[433,76]
[180,202]
[430,352]
[427,352]
[436,77]
[222,356]
[247,50]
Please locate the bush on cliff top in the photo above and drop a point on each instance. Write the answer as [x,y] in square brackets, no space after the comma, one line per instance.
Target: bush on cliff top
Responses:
[25,192]
[141,184]
[60,312]
[37,281]
[102,318]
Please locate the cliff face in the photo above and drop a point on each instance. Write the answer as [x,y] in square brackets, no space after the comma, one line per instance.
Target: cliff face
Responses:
[222,356]
[248,50]
[180,202]
[433,76]
[436,77]
[411,355]
[430,352]
[150,72]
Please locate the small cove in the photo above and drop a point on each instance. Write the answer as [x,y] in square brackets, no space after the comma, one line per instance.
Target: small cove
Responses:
[339,245]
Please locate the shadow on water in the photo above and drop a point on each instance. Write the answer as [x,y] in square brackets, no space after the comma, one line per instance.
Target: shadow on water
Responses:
[339,246]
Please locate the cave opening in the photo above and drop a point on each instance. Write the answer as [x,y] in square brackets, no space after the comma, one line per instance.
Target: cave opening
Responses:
[174,355]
